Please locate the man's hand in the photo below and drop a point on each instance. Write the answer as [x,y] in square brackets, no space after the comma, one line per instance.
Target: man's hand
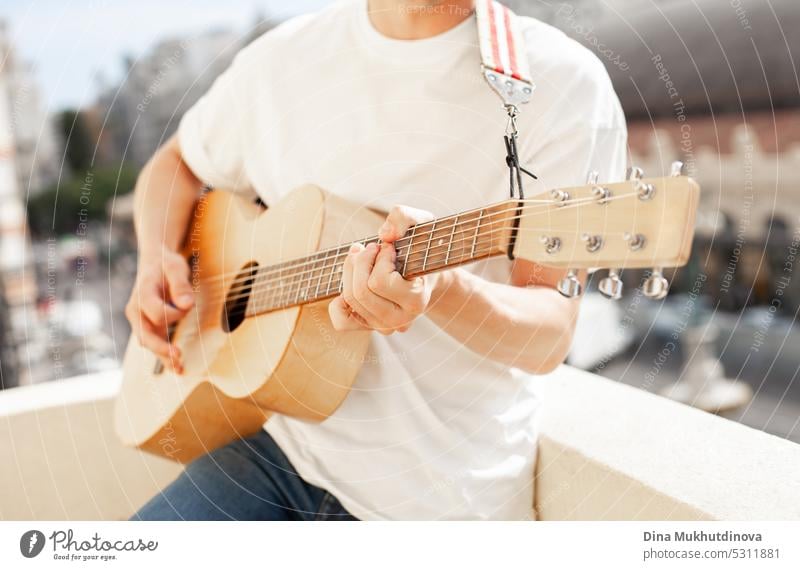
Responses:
[374,294]
[161,296]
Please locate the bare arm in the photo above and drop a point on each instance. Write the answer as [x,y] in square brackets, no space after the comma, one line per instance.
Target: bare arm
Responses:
[164,199]
[526,324]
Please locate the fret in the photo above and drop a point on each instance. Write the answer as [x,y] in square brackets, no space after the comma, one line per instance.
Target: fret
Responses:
[428,246]
[450,243]
[475,236]
[266,294]
[263,289]
[410,247]
[275,291]
[333,271]
[308,279]
[338,274]
[295,284]
[253,297]
[321,273]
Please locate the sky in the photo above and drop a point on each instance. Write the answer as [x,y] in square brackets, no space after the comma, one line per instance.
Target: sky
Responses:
[73,43]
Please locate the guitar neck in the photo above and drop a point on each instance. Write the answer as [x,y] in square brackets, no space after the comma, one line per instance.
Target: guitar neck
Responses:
[427,247]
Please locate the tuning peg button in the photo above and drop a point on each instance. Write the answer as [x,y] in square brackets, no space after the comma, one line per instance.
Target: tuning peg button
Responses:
[656,286]
[676,168]
[570,286]
[611,286]
[561,197]
[635,173]
[645,191]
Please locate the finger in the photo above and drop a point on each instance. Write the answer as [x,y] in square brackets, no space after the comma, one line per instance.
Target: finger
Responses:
[380,312]
[387,282]
[150,338]
[169,354]
[342,317]
[385,266]
[178,288]
[399,220]
[154,307]
[348,290]
[409,295]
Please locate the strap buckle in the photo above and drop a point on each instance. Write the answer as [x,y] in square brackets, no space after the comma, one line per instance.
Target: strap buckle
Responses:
[512,91]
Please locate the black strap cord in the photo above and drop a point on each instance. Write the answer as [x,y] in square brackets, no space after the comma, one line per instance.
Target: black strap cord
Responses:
[515,185]
[514,169]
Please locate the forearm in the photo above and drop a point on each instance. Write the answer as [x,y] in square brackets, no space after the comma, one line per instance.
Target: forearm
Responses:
[527,327]
[164,198]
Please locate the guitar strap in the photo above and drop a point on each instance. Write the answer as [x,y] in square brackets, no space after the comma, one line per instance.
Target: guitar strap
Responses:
[503,59]
[504,65]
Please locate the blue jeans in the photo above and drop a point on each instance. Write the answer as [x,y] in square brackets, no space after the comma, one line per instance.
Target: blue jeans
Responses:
[249,479]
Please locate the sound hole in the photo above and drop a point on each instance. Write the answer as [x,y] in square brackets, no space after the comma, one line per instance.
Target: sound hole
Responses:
[235,309]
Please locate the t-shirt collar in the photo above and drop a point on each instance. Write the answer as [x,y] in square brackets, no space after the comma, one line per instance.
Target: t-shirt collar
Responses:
[428,50]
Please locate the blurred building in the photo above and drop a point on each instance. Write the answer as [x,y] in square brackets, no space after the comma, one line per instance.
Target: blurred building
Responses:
[28,161]
[36,146]
[157,89]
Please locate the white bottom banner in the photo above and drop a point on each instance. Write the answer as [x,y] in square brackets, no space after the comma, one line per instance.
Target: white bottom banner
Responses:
[356,545]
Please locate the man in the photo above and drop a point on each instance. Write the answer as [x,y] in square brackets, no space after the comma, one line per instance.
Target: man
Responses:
[382,102]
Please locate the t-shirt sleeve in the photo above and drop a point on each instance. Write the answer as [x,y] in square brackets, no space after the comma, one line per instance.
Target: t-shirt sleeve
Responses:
[584,130]
[567,160]
[211,134]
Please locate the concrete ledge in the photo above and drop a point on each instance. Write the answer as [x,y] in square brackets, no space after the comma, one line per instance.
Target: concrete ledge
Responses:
[61,459]
[609,451]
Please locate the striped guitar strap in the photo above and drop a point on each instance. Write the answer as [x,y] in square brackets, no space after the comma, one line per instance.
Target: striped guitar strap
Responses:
[504,64]
[503,59]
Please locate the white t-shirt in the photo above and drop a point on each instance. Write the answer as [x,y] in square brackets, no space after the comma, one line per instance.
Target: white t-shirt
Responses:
[431,430]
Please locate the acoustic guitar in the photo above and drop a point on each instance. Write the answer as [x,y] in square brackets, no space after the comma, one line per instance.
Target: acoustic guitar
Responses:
[259,341]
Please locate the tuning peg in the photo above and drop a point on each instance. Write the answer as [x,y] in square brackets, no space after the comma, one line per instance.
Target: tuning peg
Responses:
[676,168]
[570,286]
[611,286]
[592,177]
[645,191]
[635,173]
[656,286]
[560,196]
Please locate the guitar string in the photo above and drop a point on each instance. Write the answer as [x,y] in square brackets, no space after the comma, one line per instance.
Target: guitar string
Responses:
[283,301]
[431,223]
[299,285]
[509,207]
[307,279]
[245,276]
[258,283]
[302,286]
[305,290]
[288,299]
[281,304]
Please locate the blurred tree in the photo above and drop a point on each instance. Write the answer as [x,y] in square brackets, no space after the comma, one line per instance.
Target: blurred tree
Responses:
[78,143]
[65,209]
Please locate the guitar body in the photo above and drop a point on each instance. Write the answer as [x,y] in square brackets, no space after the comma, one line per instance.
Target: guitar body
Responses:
[288,361]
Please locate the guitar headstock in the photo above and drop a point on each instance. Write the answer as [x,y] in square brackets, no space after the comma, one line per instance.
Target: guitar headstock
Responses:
[642,222]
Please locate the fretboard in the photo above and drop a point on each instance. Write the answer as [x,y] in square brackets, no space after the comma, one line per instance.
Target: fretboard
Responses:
[425,248]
